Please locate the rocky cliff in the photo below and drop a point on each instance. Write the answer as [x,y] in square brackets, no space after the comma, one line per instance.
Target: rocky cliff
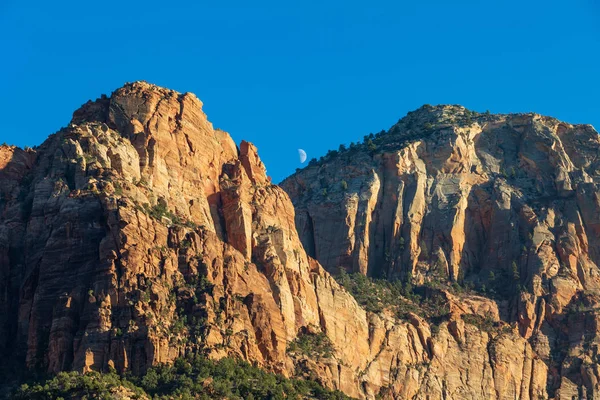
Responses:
[507,205]
[139,234]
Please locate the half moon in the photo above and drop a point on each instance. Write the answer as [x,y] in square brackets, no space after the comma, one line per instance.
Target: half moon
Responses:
[302,155]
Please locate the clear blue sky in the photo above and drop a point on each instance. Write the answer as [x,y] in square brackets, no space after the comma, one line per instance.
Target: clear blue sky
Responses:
[309,74]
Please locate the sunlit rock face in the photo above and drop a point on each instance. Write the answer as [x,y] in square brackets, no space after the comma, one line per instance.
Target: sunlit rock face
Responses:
[504,203]
[139,234]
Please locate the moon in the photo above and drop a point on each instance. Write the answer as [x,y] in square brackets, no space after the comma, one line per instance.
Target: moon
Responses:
[302,155]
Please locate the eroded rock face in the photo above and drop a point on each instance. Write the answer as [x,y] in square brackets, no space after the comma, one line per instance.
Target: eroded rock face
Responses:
[507,203]
[139,234]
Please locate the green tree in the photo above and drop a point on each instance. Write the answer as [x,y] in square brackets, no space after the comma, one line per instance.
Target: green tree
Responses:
[371,145]
[515,271]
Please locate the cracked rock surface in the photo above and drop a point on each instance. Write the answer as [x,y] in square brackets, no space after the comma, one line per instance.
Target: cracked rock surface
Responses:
[139,233]
[509,204]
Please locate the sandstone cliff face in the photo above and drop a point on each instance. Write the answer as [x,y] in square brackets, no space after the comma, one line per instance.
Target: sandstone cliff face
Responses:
[509,204]
[139,233]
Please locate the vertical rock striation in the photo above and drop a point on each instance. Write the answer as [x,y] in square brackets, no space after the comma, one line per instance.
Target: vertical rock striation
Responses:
[508,204]
[139,234]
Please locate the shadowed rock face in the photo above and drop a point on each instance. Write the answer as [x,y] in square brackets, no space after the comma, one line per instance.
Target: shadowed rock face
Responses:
[497,200]
[462,195]
[139,233]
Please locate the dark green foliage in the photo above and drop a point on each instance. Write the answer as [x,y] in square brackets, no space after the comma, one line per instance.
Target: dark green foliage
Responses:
[501,284]
[72,385]
[180,325]
[313,345]
[191,325]
[370,142]
[193,377]
[515,271]
[160,210]
[344,185]
[227,378]
[376,295]
[118,189]
[201,284]
[485,323]
[145,296]
[371,145]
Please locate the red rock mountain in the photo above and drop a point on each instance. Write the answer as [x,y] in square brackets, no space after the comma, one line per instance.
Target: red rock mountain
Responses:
[508,204]
[139,233]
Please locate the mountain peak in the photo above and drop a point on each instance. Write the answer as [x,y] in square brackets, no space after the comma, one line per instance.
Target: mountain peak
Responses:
[143,87]
[442,113]
[98,110]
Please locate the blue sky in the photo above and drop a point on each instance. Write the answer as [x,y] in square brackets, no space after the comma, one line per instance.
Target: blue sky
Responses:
[309,74]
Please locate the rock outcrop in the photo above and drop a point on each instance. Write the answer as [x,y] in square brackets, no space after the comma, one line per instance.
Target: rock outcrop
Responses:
[508,204]
[139,234]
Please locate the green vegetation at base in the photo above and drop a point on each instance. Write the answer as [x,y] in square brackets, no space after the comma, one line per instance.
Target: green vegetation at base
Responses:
[72,385]
[193,377]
